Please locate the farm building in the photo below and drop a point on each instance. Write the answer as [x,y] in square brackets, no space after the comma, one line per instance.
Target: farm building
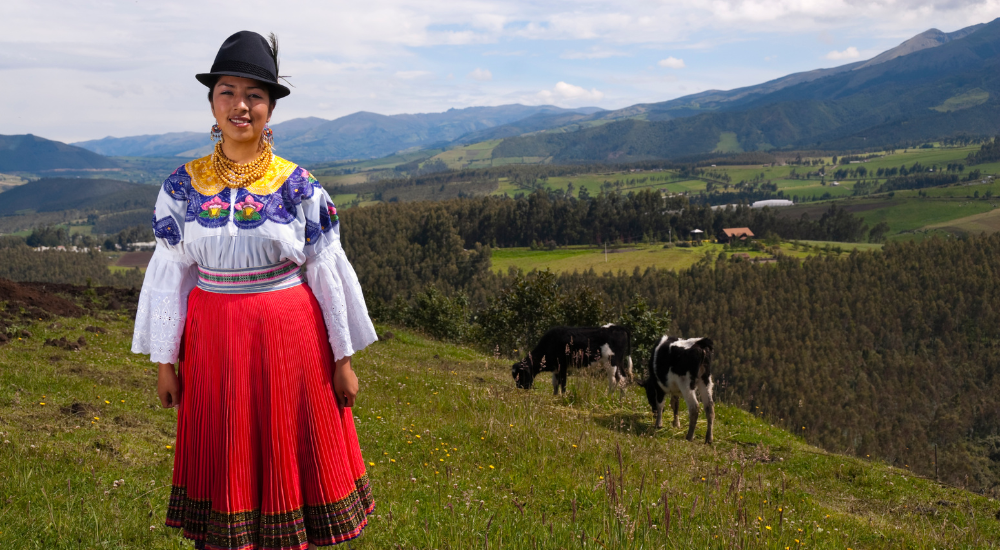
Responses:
[734,234]
[773,203]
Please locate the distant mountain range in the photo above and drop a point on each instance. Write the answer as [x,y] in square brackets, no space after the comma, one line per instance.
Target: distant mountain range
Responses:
[360,135]
[934,85]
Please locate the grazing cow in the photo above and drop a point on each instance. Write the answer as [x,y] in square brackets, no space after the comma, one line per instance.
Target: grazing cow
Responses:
[580,346]
[679,367]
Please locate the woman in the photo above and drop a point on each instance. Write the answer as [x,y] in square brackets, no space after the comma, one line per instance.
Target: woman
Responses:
[267,455]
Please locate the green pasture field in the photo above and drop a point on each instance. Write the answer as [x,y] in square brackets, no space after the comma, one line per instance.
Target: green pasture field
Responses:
[728,143]
[343,199]
[458,458]
[904,214]
[912,214]
[477,155]
[585,258]
[629,257]
[344,179]
[971,98]
[986,222]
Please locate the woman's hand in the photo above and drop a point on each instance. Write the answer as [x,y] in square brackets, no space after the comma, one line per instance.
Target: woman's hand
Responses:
[168,387]
[345,383]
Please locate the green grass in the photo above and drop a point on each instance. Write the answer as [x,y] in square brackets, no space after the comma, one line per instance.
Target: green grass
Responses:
[459,458]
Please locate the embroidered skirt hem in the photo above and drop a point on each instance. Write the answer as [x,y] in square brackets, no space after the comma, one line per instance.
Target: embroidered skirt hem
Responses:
[265,458]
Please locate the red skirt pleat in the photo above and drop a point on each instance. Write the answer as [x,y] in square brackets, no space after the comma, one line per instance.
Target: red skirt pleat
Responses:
[265,458]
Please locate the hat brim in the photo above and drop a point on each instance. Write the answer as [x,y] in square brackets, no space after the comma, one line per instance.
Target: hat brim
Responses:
[277,90]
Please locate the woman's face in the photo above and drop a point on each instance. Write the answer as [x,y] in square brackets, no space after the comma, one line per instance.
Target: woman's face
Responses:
[241,107]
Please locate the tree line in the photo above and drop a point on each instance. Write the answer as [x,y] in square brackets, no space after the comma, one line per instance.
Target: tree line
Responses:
[890,354]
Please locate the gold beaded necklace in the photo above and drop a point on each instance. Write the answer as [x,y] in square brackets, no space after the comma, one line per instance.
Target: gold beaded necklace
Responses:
[236,175]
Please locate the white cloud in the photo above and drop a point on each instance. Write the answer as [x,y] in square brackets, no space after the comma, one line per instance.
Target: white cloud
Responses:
[482,75]
[672,63]
[568,93]
[368,52]
[596,52]
[506,54]
[410,75]
[849,53]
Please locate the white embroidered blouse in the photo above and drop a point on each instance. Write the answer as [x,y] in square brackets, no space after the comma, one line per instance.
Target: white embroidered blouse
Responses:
[284,216]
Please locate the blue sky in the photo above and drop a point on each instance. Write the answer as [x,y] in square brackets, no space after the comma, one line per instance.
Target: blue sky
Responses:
[78,71]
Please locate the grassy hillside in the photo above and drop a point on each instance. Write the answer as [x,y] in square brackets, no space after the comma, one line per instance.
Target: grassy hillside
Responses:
[458,458]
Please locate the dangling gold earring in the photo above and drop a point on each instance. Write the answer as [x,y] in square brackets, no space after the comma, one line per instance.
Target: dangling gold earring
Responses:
[216,133]
[267,137]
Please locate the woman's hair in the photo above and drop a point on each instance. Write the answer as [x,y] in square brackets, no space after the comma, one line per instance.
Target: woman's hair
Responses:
[270,93]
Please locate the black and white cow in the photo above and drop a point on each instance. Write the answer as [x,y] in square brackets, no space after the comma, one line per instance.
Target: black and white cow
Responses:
[561,347]
[679,367]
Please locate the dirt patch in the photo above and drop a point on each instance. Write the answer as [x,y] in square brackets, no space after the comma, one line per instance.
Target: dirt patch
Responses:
[65,344]
[28,297]
[82,410]
[90,299]
[135,259]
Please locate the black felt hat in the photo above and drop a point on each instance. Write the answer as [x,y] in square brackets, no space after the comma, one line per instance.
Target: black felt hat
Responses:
[249,55]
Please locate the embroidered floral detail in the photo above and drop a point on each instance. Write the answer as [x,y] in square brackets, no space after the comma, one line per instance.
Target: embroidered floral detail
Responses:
[211,211]
[166,229]
[297,187]
[177,184]
[328,217]
[277,210]
[214,209]
[313,232]
[249,209]
[314,181]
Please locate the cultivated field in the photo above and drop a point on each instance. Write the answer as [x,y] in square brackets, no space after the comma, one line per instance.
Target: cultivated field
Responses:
[458,459]
[642,256]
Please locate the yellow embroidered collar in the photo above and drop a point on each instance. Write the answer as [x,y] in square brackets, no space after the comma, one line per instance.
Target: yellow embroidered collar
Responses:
[205,181]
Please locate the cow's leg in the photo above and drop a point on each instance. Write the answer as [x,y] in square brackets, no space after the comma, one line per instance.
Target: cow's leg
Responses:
[659,414]
[705,393]
[673,405]
[687,392]
[555,382]
[562,379]
[612,371]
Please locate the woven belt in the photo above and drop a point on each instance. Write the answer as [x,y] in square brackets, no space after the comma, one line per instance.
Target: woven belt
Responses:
[251,280]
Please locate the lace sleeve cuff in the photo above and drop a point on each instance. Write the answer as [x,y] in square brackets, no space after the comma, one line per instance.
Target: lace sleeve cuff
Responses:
[159,319]
[335,285]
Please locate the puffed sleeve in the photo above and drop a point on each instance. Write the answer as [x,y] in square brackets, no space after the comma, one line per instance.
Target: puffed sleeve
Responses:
[170,277]
[331,277]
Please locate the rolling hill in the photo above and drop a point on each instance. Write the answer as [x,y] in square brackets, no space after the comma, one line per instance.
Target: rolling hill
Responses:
[54,194]
[29,153]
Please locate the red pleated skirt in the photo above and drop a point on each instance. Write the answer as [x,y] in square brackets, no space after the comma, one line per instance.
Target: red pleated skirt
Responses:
[265,458]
